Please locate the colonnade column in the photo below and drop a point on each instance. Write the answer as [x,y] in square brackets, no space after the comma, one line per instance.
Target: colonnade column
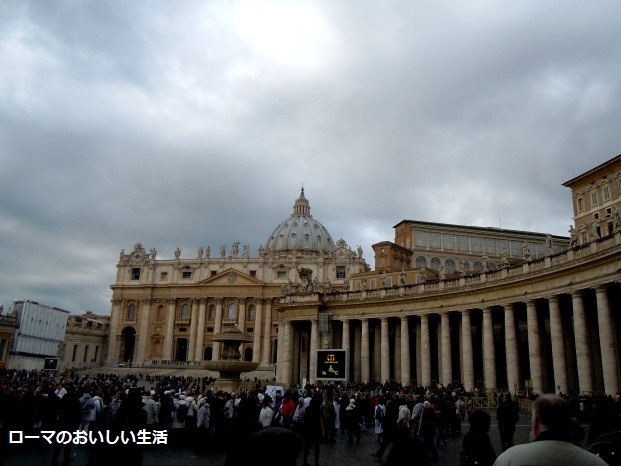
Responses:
[534,347]
[312,357]
[267,333]
[193,325]
[345,344]
[200,331]
[256,344]
[217,329]
[511,349]
[583,346]
[489,354]
[425,361]
[447,369]
[170,327]
[365,360]
[607,343]
[467,356]
[384,344]
[558,345]
[143,336]
[406,378]
[113,347]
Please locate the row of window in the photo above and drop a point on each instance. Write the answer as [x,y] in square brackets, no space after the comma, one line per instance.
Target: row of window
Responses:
[594,196]
[341,272]
[185,312]
[85,354]
[477,244]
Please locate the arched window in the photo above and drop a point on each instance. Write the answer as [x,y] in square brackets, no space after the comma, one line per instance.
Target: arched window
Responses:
[251,313]
[131,312]
[449,266]
[160,313]
[185,312]
[212,313]
[421,261]
[207,355]
[436,263]
[478,266]
[248,354]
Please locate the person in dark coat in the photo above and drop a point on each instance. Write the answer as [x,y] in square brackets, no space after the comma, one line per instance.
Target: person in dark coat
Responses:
[389,425]
[69,418]
[477,447]
[313,429]
[507,416]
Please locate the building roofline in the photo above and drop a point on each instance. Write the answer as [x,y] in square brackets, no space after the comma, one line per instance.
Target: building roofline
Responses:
[478,229]
[592,171]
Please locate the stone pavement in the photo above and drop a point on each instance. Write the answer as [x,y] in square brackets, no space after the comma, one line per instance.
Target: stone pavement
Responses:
[338,453]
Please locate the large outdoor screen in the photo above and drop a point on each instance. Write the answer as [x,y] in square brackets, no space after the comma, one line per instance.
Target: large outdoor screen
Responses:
[332,364]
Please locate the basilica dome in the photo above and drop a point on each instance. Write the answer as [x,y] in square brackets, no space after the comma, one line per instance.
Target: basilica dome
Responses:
[300,232]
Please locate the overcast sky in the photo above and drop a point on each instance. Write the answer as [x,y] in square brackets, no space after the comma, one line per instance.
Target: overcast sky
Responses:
[195,123]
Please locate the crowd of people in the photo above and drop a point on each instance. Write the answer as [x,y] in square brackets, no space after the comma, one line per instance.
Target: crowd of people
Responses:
[406,421]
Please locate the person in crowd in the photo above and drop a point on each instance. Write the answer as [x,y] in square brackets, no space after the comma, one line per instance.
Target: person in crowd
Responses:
[427,431]
[266,415]
[389,427]
[507,415]
[353,420]
[329,417]
[477,447]
[287,410]
[551,424]
[380,412]
[312,430]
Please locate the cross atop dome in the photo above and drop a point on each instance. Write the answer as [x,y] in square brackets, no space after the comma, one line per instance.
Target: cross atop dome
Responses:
[301,206]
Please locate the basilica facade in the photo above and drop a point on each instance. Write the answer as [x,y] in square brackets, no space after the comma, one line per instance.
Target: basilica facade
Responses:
[165,312]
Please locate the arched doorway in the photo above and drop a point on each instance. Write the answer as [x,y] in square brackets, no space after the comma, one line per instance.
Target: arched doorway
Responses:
[128,342]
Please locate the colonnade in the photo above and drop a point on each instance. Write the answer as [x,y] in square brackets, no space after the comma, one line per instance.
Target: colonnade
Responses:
[562,342]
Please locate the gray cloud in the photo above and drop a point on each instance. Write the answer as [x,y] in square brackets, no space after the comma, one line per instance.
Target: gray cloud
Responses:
[196,124]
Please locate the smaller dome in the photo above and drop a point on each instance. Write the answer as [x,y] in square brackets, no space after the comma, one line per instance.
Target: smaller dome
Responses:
[300,231]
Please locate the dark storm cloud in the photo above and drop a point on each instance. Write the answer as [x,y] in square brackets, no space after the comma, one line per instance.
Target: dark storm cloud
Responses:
[196,124]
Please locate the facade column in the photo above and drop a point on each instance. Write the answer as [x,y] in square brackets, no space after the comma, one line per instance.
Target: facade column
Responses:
[385,348]
[447,363]
[357,352]
[511,349]
[217,329]
[489,354]
[193,326]
[467,356]
[558,345]
[365,360]
[607,342]
[267,333]
[583,344]
[170,328]
[113,347]
[144,336]
[425,351]
[377,351]
[258,320]
[534,347]
[241,316]
[345,344]
[286,355]
[200,331]
[312,357]
[406,378]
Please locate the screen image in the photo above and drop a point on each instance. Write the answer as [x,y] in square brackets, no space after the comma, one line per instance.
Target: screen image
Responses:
[332,364]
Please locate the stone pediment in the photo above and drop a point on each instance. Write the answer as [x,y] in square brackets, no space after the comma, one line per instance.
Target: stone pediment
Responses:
[231,277]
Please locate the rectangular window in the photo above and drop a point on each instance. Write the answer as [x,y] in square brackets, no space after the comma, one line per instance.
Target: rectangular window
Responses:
[434,240]
[420,239]
[463,243]
[96,353]
[476,244]
[516,249]
[2,347]
[135,273]
[281,274]
[606,193]
[341,272]
[75,353]
[381,262]
[448,242]
[85,354]
[253,273]
[594,200]
[164,276]
[186,275]
[580,203]
[372,284]
[213,273]
[490,245]
[502,244]
[249,329]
